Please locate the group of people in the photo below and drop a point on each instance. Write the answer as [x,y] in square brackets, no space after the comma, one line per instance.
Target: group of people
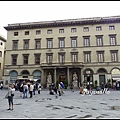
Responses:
[54,89]
[25,90]
[29,88]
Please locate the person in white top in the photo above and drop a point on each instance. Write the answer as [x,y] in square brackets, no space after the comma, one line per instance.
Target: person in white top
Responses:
[10,93]
[31,90]
[39,88]
[1,86]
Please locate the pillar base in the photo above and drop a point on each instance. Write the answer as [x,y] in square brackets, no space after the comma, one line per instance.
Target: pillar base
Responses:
[75,83]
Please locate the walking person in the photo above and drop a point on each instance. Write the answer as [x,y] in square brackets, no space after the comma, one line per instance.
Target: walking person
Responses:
[103,87]
[39,88]
[62,87]
[1,86]
[34,88]
[72,87]
[31,90]
[21,89]
[59,89]
[11,90]
[25,90]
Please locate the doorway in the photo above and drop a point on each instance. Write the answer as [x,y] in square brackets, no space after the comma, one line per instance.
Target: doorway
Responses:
[62,78]
[101,79]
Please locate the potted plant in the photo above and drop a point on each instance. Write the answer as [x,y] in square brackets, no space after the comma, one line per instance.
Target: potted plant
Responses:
[65,84]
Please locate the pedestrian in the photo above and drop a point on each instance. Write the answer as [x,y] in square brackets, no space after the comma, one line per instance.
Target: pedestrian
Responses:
[34,88]
[117,85]
[31,90]
[21,89]
[1,86]
[25,90]
[103,87]
[39,88]
[10,93]
[55,89]
[71,87]
[62,87]
[59,89]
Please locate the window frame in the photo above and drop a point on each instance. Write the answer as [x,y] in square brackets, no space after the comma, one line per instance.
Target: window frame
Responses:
[88,59]
[73,30]
[15,45]
[86,43]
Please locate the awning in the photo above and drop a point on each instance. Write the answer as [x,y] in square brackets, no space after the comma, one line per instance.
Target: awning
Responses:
[33,80]
[116,79]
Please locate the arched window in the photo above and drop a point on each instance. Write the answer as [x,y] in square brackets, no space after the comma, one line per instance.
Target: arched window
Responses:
[13,76]
[37,75]
[25,73]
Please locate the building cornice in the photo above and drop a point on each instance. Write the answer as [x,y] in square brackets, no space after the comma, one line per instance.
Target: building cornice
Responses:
[3,39]
[62,23]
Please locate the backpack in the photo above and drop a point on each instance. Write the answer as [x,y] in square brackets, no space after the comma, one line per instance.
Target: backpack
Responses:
[62,85]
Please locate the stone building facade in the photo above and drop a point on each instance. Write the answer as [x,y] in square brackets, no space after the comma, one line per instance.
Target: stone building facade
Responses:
[2,53]
[89,47]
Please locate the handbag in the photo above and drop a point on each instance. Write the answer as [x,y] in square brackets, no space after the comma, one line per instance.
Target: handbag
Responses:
[12,94]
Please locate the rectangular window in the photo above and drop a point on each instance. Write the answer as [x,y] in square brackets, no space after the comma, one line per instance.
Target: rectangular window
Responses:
[86,29]
[38,32]
[49,58]
[112,40]
[49,43]
[73,42]
[25,59]
[100,56]
[15,33]
[26,44]
[73,30]
[99,40]
[14,59]
[49,31]
[61,58]
[15,44]
[74,57]
[86,41]
[37,59]
[26,32]
[61,43]
[114,56]
[112,27]
[61,30]
[87,57]
[98,28]
[37,43]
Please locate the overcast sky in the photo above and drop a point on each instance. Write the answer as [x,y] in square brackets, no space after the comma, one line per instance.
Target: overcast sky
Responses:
[35,11]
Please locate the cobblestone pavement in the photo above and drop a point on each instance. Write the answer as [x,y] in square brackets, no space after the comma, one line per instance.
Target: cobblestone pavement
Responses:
[68,106]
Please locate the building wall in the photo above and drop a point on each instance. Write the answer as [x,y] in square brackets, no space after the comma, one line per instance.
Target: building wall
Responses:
[94,65]
[2,51]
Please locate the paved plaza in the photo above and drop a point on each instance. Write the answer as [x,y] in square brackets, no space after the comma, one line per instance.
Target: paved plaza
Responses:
[68,106]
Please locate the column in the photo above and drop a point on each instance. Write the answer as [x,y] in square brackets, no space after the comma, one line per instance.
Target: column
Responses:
[42,77]
[68,76]
[55,75]
[81,76]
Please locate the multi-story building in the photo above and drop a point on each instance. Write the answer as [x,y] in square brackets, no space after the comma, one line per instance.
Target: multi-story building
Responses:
[88,46]
[2,53]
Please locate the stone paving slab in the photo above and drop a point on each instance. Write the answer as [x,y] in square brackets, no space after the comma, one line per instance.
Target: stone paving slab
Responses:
[68,106]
